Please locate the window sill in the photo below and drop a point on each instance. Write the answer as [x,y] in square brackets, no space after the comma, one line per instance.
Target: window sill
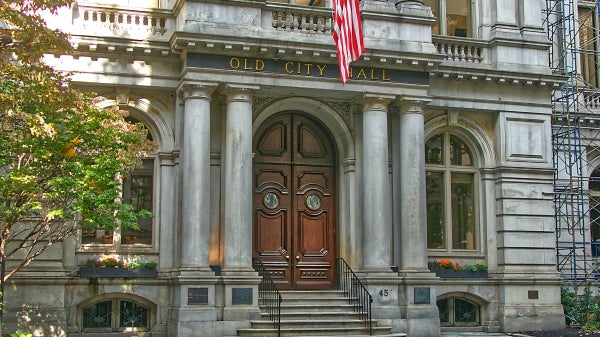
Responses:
[117,272]
[449,273]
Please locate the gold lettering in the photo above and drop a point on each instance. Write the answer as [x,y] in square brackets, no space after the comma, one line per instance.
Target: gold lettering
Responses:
[321,69]
[308,66]
[246,65]
[361,73]
[260,65]
[384,75]
[234,63]
[250,64]
[373,75]
[287,67]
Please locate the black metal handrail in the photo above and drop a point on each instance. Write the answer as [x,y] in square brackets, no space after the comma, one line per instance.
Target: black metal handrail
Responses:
[357,293]
[269,297]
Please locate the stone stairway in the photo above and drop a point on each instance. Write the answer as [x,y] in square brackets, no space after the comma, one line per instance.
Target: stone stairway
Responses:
[314,313]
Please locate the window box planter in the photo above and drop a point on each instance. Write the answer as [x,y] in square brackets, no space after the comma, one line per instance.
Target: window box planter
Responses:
[92,272]
[450,273]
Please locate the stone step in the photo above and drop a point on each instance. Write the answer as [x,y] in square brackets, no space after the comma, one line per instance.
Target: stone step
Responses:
[312,294]
[313,323]
[314,313]
[311,315]
[313,331]
[312,307]
[316,302]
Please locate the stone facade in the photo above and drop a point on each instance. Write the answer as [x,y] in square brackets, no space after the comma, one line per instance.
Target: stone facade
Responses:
[203,76]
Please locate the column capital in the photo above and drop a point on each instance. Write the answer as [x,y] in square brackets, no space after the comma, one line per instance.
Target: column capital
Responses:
[411,105]
[239,93]
[370,102]
[413,8]
[196,90]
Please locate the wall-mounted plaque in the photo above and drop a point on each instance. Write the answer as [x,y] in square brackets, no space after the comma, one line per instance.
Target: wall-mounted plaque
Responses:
[422,295]
[241,296]
[197,296]
[533,294]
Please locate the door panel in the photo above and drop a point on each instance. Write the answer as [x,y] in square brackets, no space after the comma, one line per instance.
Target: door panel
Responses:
[272,221]
[294,223]
[313,228]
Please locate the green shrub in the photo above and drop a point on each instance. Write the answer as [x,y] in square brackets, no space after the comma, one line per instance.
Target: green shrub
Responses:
[581,310]
[149,265]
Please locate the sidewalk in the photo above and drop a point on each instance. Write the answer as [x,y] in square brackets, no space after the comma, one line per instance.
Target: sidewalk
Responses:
[481,334]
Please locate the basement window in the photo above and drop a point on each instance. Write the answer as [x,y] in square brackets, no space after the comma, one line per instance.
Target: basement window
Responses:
[115,315]
[458,312]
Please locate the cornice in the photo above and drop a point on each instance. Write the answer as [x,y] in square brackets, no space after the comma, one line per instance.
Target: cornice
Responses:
[322,50]
[119,47]
[498,76]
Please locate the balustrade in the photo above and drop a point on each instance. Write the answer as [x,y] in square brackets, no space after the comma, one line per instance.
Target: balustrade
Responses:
[127,23]
[303,20]
[460,50]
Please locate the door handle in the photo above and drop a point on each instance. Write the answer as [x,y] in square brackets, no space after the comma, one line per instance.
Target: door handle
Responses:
[297,257]
[287,257]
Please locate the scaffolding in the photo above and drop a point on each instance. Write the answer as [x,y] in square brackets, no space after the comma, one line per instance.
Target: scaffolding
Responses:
[571,27]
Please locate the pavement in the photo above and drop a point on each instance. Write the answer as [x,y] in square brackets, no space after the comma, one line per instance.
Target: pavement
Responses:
[481,334]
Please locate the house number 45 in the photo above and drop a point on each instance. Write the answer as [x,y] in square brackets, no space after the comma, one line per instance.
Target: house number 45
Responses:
[384,292]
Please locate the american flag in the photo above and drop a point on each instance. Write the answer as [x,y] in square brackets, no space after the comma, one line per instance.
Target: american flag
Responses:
[347,34]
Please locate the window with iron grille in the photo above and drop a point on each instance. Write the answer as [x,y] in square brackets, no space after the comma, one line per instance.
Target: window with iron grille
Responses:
[115,315]
[456,311]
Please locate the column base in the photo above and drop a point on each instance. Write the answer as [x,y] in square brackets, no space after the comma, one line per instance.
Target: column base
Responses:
[378,6]
[187,322]
[201,272]
[418,303]
[240,295]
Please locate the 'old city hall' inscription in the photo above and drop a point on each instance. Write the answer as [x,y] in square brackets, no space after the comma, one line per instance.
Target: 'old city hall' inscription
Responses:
[306,69]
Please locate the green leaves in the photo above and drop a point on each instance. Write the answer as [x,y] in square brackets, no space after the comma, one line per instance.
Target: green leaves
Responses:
[61,157]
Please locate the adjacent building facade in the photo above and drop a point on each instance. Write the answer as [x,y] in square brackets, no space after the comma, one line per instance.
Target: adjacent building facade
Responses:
[438,147]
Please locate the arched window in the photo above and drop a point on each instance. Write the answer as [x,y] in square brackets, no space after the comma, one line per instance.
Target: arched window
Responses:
[451,190]
[456,311]
[115,315]
[588,42]
[594,202]
[138,190]
[453,17]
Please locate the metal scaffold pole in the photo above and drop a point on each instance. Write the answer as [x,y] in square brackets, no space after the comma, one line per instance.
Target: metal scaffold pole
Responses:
[573,36]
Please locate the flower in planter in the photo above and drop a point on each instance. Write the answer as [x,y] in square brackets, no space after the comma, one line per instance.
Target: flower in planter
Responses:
[137,265]
[111,262]
[475,267]
[449,265]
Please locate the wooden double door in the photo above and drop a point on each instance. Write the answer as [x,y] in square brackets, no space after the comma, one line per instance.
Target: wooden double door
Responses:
[294,202]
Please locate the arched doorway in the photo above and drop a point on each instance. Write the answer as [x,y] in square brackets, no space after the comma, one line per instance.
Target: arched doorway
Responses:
[294,201]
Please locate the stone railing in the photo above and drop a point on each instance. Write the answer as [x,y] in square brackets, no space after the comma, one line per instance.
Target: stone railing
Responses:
[122,23]
[306,20]
[461,49]
[591,100]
